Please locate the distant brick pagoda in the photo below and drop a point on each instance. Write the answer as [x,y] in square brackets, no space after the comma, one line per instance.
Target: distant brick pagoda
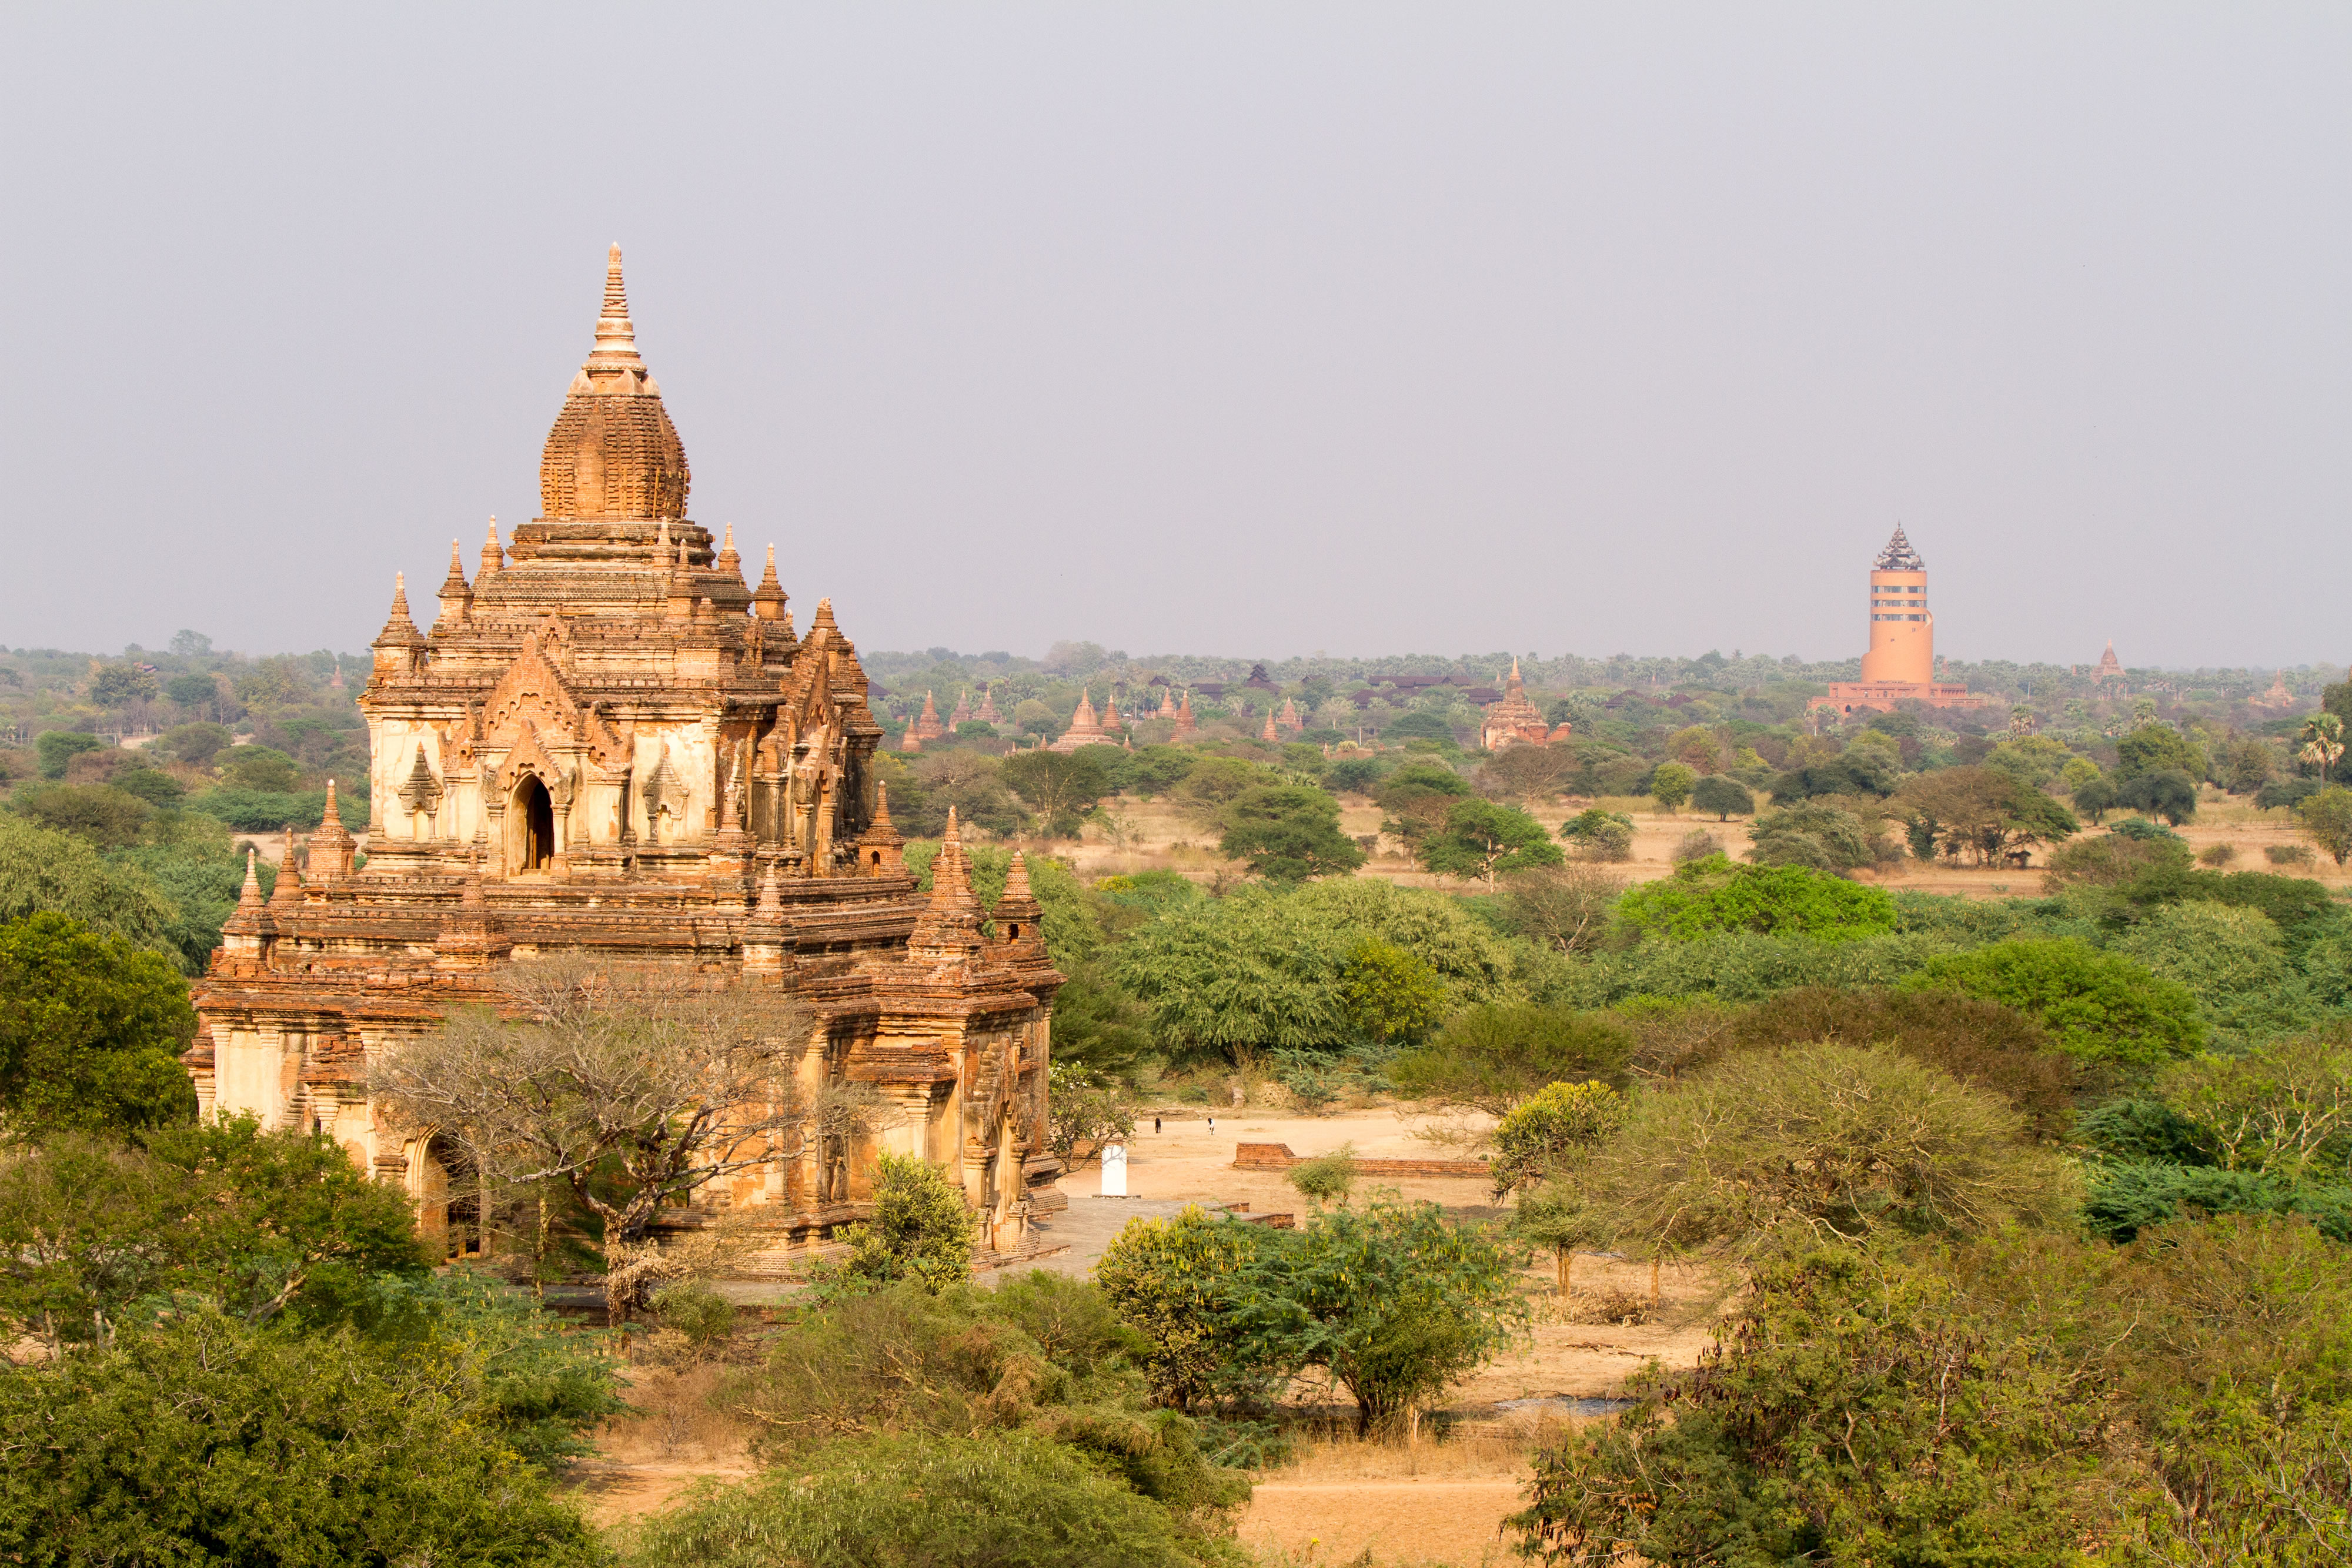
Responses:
[1516,720]
[1900,666]
[607,745]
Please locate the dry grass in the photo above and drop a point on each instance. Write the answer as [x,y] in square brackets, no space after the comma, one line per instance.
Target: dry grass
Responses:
[1623,1309]
[673,1419]
[1349,1504]
[1496,1449]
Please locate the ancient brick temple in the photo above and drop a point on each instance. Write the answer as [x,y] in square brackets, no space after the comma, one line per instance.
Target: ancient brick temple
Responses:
[608,744]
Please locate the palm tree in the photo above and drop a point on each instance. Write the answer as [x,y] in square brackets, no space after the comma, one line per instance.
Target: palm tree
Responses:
[2322,741]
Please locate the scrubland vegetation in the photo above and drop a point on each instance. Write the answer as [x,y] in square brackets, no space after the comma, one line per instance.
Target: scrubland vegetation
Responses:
[2030,1214]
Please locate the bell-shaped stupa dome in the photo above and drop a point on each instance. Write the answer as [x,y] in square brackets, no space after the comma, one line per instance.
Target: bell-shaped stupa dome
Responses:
[614,452]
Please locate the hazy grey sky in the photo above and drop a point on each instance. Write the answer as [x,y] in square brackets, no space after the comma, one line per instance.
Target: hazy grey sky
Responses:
[1256,328]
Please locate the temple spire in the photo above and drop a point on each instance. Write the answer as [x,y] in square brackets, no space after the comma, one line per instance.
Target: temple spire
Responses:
[494,559]
[399,626]
[456,597]
[616,339]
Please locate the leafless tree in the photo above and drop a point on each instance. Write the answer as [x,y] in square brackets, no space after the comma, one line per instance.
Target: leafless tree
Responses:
[653,1073]
[1565,907]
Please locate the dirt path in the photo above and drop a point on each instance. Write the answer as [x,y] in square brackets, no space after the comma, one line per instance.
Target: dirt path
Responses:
[1400,1521]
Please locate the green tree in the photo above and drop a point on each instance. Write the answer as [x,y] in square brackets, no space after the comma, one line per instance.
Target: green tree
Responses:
[56,747]
[2095,1004]
[44,870]
[1546,1133]
[1060,786]
[1485,839]
[1840,1419]
[1724,795]
[1417,798]
[1811,834]
[1288,832]
[120,683]
[922,1230]
[2153,748]
[204,1441]
[2165,793]
[1599,835]
[1169,1281]
[260,768]
[90,1030]
[2326,820]
[193,689]
[2233,960]
[1713,894]
[196,743]
[1670,785]
[1494,1057]
[1390,1300]
[94,1230]
[2321,743]
[100,814]
[1981,811]
[1392,995]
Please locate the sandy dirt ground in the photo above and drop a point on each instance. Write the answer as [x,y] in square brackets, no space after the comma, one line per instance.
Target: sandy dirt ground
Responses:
[1439,1500]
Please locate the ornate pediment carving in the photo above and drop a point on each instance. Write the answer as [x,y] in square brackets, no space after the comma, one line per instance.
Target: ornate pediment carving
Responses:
[421,791]
[534,694]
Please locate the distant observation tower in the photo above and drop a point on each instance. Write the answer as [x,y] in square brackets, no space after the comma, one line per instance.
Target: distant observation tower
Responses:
[1900,663]
[1901,631]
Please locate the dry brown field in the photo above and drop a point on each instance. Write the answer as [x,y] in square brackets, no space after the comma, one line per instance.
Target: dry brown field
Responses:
[1159,835]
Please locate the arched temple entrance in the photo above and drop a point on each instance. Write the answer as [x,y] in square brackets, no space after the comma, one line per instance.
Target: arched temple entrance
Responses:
[534,814]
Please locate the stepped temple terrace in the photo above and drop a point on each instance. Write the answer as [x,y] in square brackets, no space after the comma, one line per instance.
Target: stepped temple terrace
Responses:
[607,746]
[1900,664]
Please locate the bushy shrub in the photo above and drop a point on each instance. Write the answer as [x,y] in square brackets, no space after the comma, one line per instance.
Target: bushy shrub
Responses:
[1391,1300]
[1713,894]
[1325,1178]
[1497,1055]
[1698,844]
[1820,837]
[922,1500]
[1169,1280]
[2233,960]
[2127,1198]
[2095,1004]
[1834,1417]
[204,1439]
[921,1232]
[1983,1044]
[1551,1129]
[2004,1402]
[1817,1141]
[2111,859]
[1594,834]
[1741,967]
[2289,855]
